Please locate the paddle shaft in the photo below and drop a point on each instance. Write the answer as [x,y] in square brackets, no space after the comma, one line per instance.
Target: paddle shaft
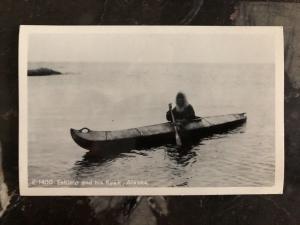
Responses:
[177,137]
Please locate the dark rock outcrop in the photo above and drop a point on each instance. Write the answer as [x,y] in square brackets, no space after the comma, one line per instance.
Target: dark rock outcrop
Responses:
[42,72]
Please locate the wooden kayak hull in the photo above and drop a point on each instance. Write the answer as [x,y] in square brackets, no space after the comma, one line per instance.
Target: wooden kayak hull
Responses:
[113,142]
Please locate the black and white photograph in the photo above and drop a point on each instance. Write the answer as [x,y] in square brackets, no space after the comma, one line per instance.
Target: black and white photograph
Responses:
[120,110]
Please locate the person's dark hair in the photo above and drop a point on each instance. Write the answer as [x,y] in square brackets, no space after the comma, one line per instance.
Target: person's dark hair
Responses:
[184,103]
[180,95]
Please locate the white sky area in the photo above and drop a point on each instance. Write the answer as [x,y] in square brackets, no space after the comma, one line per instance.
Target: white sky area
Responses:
[151,48]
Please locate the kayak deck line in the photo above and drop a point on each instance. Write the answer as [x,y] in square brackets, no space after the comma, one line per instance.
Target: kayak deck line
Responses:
[106,135]
[153,135]
[139,131]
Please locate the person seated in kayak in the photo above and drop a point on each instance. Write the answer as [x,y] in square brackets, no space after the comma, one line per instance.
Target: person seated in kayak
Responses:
[183,111]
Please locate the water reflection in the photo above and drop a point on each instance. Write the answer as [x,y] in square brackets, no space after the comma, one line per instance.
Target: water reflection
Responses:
[181,155]
[87,165]
[172,163]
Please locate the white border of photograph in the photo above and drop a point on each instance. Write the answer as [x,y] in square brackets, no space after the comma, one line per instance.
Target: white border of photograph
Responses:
[277,188]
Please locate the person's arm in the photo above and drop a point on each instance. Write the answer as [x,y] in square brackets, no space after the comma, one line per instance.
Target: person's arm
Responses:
[168,116]
[190,113]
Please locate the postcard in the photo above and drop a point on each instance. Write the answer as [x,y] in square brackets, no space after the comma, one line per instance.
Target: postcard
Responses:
[151,110]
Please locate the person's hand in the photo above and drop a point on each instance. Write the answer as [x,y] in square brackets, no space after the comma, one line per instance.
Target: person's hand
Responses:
[170,106]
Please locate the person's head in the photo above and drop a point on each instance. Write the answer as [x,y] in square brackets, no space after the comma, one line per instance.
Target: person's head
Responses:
[181,100]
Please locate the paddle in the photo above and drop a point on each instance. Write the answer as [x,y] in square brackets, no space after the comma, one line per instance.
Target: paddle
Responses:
[177,137]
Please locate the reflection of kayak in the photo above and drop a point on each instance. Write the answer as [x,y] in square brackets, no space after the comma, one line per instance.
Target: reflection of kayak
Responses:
[110,142]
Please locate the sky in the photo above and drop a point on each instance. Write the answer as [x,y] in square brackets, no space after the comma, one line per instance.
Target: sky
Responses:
[150,47]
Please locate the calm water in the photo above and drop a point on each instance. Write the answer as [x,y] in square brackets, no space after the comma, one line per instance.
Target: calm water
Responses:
[117,96]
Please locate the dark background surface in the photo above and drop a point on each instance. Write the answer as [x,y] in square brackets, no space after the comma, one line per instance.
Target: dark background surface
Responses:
[231,210]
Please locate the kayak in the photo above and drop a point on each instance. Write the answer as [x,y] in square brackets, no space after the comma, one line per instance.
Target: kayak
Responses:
[117,141]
